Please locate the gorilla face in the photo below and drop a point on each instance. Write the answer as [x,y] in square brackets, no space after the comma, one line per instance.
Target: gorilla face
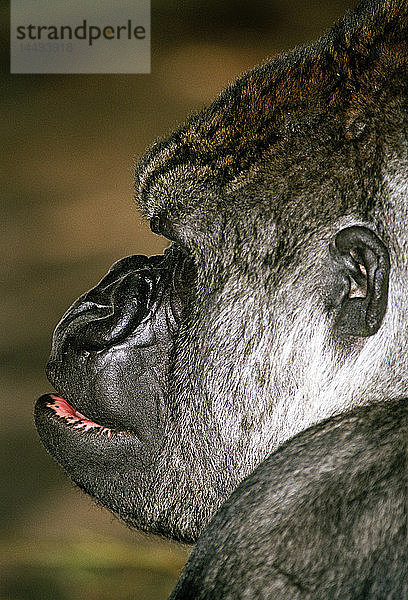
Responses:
[177,375]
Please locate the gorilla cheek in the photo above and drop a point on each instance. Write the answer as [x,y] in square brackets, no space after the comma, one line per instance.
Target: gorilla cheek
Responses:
[129,401]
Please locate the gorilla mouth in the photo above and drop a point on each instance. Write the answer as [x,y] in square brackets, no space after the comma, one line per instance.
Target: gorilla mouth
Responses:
[60,409]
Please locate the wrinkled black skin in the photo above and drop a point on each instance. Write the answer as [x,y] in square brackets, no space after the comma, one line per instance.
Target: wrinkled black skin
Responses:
[325,516]
[243,190]
[134,311]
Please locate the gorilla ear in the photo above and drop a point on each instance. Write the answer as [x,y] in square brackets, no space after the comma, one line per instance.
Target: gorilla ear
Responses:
[362,267]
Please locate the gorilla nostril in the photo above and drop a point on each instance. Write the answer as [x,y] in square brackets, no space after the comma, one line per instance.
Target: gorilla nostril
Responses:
[101,293]
[129,303]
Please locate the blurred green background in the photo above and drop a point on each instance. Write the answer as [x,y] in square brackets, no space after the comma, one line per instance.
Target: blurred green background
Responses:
[68,146]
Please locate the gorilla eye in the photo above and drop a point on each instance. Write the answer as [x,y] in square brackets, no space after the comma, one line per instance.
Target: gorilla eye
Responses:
[155,225]
[160,225]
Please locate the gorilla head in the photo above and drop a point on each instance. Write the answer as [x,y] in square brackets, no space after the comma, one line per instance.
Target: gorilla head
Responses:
[275,305]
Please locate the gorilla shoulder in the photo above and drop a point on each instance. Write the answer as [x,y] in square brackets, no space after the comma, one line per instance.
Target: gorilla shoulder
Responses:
[322,517]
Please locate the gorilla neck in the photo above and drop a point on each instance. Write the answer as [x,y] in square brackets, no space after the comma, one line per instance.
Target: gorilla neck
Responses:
[292,372]
[322,380]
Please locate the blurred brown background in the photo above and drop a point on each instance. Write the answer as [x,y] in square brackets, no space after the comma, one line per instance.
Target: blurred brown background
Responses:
[68,147]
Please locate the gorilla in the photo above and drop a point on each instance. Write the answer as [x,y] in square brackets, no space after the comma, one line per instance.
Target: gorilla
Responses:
[247,388]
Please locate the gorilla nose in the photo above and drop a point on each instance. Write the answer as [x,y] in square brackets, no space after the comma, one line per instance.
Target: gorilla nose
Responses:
[110,311]
[129,295]
[120,309]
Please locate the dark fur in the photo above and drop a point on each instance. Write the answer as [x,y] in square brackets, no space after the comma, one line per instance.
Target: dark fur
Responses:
[325,516]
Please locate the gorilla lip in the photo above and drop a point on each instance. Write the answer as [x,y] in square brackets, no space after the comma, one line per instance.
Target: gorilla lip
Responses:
[72,417]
